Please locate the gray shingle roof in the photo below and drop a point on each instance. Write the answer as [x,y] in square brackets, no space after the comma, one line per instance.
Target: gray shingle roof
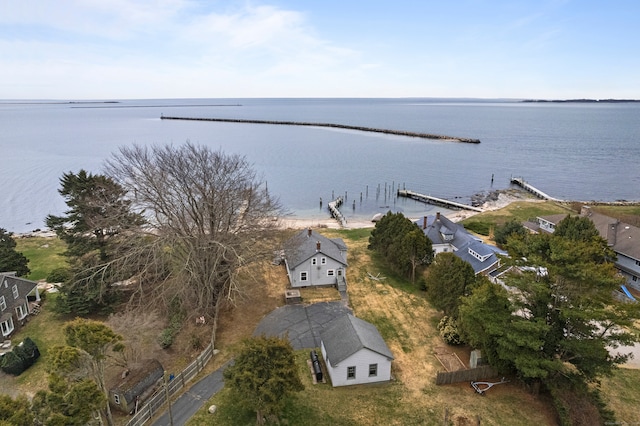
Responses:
[24,288]
[438,225]
[346,335]
[303,246]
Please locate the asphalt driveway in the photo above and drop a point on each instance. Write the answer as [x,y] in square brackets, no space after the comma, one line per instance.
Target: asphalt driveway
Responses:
[301,323]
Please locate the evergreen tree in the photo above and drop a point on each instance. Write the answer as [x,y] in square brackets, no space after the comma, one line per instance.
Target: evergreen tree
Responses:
[401,243]
[10,259]
[560,316]
[94,227]
[264,375]
[448,279]
[510,228]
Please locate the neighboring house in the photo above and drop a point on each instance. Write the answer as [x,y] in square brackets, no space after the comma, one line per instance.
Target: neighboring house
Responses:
[448,236]
[312,259]
[16,298]
[137,385]
[354,352]
[623,238]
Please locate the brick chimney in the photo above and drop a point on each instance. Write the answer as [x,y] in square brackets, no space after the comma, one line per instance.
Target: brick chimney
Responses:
[317,245]
[437,215]
[424,222]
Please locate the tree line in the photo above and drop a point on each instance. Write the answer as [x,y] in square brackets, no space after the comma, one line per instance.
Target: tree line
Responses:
[552,320]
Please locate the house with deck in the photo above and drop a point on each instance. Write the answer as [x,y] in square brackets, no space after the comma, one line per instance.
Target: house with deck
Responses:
[448,236]
[622,237]
[312,259]
[355,352]
[18,298]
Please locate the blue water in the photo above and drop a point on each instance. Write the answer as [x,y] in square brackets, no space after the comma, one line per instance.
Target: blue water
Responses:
[570,151]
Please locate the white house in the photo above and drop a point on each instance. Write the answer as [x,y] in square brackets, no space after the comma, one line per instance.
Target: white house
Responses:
[312,259]
[354,352]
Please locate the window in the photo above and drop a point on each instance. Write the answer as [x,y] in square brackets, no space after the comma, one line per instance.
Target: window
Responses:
[373,370]
[116,398]
[7,326]
[351,372]
[314,261]
[634,278]
[638,262]
[330,272]
[3,303]
[15,291]
[323,261]
[303,276]
[21,311]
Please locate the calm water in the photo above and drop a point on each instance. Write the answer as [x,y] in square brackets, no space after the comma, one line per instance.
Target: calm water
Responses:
[570,151]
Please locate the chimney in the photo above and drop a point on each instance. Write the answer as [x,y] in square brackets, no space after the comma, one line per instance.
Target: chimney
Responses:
[437,215]
[317,245]
[424,222]
[309,232]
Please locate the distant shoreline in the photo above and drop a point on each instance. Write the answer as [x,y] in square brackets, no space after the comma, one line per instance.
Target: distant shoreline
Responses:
[585,101]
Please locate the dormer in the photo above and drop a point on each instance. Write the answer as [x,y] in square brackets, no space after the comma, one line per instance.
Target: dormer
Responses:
[447,234]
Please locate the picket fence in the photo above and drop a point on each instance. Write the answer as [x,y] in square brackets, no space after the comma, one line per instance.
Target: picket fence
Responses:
[159,401]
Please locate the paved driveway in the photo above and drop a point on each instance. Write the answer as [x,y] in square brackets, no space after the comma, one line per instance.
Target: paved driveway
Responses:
[302,323]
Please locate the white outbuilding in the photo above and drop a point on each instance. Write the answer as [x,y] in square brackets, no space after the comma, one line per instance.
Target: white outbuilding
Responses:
[355,352]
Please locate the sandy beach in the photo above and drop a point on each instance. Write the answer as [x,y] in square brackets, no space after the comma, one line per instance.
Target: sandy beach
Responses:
[503,200]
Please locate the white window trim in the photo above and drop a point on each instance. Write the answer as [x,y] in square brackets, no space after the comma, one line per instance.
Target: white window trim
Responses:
[116,398]
[15,291]
[314,261]
[375,366]
[323,260]
[7,327]
[331,272]
[304,276]
[22,311]
[3,303]
[349,369]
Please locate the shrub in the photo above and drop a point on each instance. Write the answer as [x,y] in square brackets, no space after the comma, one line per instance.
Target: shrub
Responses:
[448,328]
[59,275]
[20,358]
[12,364]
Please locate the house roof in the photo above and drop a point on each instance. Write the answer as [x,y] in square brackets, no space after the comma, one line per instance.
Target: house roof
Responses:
[435,227]
[622,237]
[554,218]
[347,335]
[304,245]
[8,280]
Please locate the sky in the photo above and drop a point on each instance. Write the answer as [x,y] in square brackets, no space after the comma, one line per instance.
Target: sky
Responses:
[135,49]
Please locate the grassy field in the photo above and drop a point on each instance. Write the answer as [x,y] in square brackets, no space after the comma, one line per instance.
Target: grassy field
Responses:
[44,254]
[406,321]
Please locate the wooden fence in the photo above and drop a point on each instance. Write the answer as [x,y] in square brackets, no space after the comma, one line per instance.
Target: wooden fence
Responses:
[469,375]
[159,401]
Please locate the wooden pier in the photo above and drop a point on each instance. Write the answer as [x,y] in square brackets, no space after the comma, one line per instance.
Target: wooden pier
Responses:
[532,189]
[437,201]
[332,125]
[335,211]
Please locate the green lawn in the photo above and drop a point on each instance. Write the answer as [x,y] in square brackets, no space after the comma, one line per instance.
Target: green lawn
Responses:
[44,254]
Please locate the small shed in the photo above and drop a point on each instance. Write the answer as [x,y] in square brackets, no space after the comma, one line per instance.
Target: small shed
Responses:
[136,386]
[355,352]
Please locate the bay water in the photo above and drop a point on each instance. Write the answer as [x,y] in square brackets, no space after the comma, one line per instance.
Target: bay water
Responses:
[575,151]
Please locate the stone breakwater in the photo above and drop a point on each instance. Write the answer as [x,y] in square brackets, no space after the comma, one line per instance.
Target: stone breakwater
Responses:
[332,125]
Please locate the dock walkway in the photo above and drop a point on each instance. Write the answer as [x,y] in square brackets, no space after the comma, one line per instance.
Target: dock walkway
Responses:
[437,201]
[335,211]
[532,189]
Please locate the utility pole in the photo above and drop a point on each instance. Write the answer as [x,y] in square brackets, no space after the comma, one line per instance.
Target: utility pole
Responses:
[166,391]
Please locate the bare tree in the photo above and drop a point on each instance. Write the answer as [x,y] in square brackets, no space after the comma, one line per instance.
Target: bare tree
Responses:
[207,211]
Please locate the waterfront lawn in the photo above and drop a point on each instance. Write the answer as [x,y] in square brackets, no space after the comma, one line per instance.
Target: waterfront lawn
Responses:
[620,391]
[45,330]
[522,211]
[44,254]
